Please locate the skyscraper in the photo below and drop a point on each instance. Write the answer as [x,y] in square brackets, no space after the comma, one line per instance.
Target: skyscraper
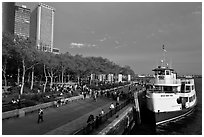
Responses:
[15,19]
[42,27]
[8,16]
[22,21]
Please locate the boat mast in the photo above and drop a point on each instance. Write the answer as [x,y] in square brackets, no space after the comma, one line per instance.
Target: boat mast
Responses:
[164,57]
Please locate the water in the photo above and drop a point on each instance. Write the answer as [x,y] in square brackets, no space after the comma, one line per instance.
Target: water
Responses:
[191,125]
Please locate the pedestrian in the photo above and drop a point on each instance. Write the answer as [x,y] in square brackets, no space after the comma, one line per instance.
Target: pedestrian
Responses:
[90,123]
[97,122]
[94,96]
[84,94]
[102,112]
[111,106]
[40,115]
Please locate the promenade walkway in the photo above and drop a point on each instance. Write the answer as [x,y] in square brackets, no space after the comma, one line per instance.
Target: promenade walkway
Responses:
[56,119]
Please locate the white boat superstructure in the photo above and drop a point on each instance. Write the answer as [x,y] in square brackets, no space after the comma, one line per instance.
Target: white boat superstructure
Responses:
[168,95]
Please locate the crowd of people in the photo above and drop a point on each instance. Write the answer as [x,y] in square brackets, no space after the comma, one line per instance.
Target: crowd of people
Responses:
[84,90]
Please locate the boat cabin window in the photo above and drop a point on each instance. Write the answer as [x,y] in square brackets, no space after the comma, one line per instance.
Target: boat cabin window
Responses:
[168,89]
[188,88]
[174,89]
[161,72]
[182,88]
[167,72]
[159,88]
[192,87]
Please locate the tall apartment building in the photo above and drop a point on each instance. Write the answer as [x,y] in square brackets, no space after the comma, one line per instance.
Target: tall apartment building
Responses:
[42,27]
[22,21]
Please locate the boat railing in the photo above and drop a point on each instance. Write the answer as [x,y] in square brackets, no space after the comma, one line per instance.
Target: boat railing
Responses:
[162,91]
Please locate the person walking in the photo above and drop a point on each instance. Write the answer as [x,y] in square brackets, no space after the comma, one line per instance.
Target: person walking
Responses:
[40,116]
[102,112]
[111,108]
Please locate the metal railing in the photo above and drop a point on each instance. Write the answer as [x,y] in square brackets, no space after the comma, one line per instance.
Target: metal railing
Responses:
[91,126]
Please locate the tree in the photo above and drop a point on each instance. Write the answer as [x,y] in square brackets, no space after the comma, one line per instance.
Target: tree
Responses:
[24,52]
[65,62]
[7,45]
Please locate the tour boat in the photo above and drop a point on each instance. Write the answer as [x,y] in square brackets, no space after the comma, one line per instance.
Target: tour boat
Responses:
[170,98]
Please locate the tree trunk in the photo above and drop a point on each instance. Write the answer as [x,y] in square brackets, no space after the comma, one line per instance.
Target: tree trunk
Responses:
[18,77]
[23,77]
[45,84]
[32,78]
[51,78]
[62,76]
[51,81]
[45,80]
[4,73]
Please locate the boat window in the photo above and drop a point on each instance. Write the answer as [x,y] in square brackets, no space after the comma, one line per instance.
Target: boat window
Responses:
[182,88]
[191,99]
[168,89]
[156,89]
[161,72]
[188,88]
[186,99]
[167,72]
[192,87]
[174,89]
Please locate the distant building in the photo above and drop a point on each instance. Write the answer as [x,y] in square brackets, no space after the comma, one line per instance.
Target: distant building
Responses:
[42,27]
[120,76]
[8,17]
[55,51]
[93,76]
[129,77]
[22,21]
[15,19]
[110,77]
[103,77]
[100,77]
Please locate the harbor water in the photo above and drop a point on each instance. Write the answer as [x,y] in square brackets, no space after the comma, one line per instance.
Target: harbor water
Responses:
[190,125]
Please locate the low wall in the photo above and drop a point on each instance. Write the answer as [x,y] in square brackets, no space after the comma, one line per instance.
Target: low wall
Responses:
[120,124]
[23,111]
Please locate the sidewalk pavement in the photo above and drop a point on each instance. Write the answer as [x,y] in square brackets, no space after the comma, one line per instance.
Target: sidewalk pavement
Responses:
[78,123]
[55,118]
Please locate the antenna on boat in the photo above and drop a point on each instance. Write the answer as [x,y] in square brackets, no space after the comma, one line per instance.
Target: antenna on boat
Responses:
[163,61]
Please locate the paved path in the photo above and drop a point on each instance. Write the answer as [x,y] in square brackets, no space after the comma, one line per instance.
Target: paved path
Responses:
[78,123]
[53,118]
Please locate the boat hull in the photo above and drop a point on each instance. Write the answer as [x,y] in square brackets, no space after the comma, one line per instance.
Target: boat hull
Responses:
[164,117]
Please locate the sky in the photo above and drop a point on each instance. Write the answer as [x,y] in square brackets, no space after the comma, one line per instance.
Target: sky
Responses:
[131,33]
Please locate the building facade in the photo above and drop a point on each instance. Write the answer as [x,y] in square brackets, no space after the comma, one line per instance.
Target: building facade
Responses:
[56,51]
[22,21]
[42,27]
[120,76]
[8,17]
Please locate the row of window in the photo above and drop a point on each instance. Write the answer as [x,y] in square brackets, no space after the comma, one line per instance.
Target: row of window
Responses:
[187,88]
[165,89]
[163,72]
